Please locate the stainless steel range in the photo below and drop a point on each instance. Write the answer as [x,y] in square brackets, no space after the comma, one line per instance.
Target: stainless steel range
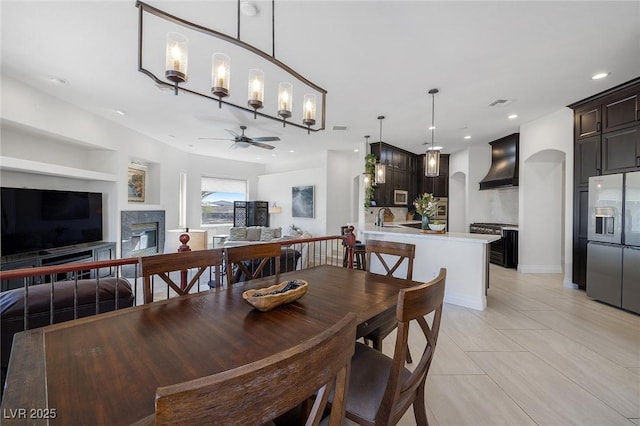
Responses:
[503,252]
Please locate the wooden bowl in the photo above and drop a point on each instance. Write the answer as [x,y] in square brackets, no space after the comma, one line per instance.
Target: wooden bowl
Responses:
[262,300]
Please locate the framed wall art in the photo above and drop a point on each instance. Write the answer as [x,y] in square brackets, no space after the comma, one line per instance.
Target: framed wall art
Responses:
[136,183]
[302,201]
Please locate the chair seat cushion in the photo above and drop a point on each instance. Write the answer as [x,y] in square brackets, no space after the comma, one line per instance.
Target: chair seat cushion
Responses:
[367,382]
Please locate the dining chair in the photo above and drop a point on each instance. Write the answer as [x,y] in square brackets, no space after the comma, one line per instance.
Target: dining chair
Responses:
[396,252]
[252,260]
[258,392]
[381,389]
[163,264]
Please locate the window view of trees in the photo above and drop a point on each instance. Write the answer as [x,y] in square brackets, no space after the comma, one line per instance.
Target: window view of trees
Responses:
[217,199]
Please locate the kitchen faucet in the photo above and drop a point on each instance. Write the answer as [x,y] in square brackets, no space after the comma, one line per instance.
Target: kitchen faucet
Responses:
[379,220]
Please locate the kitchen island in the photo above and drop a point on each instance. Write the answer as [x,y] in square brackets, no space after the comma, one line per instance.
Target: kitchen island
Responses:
[466,257]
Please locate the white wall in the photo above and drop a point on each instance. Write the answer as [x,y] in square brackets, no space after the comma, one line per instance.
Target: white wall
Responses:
[277,187]
[546,179]
[38,127]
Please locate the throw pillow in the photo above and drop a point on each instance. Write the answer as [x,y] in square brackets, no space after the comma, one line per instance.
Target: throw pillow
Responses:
[267,234]
[253,233]
[278,232]
[238,234]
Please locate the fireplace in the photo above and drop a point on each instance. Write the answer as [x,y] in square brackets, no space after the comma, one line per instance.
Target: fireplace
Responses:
[142,233]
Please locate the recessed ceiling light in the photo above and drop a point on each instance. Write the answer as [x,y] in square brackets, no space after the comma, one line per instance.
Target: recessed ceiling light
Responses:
[432,127]
[291,150]
[435,148]
[248,8]
[273,155]
[512,116]
[120,112]
[356,150]
[600,75]
[468,137]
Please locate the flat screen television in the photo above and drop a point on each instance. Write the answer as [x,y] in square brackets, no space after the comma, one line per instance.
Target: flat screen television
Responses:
[40,219]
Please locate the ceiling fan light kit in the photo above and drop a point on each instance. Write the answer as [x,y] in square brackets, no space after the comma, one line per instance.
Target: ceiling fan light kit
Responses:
[432,157]
[176,60]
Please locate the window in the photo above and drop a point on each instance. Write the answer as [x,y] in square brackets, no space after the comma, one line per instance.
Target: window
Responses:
[217,199]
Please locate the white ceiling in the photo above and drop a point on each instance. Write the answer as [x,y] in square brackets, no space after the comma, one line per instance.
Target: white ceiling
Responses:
[373,58]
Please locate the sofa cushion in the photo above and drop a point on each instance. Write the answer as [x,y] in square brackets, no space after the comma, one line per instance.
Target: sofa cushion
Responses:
[238,233]
[267,234]
[253,233]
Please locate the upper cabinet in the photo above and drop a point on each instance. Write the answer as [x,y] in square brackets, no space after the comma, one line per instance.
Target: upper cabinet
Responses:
[607,141]
[400,173]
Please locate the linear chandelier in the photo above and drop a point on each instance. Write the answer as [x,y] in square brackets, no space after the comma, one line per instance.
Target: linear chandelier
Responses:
[176,76]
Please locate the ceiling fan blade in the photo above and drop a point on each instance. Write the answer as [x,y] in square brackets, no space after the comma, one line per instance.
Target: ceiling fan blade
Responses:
[232,133]
[262,145]
[266,138]
[215,139]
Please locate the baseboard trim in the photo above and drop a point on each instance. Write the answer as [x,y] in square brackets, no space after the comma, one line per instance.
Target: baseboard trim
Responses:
[467,302]
[540,269]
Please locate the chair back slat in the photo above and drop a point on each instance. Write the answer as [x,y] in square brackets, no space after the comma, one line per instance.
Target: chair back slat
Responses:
[163,264]
[391,248]
[264,253]
[263,390]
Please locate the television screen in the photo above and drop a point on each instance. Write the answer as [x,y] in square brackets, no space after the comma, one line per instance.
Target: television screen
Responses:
[38,219]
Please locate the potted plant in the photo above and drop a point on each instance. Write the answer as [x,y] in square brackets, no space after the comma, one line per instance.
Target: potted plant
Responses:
[369,169]
[426,206]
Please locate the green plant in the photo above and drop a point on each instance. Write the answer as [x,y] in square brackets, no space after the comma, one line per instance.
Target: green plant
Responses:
[426,204]
[369,169]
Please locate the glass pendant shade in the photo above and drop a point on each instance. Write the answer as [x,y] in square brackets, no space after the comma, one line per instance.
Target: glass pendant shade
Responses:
[176,57]
[381,173]
[309,109]
[256,88]
[285,98]
[220,74]
[367,181]
[432,163]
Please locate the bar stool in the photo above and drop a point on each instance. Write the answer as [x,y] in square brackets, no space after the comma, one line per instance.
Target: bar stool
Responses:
[355,251]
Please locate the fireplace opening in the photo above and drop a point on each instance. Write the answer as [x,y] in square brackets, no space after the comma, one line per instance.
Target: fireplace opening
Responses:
[144,239]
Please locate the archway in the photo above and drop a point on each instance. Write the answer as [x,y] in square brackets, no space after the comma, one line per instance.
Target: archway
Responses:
[542,213]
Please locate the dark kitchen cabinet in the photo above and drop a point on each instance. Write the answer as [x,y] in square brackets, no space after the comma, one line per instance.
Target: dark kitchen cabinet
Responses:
[587,122]
[400,172]
[621,150]
[606,141]
[587,155]
[438,185]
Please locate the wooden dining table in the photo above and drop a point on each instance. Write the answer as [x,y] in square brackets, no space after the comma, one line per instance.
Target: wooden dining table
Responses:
[106,369]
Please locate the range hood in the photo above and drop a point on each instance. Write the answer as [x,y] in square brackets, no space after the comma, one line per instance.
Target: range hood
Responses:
[504,163]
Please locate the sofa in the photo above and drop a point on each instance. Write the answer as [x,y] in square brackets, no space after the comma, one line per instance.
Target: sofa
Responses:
[241,235]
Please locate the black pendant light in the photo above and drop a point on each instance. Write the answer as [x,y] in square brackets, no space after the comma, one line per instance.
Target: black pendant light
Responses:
[381,169]
[432,157]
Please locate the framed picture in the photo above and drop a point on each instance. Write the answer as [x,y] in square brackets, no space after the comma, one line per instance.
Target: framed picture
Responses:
[302,201]
[136,183]
[400,198]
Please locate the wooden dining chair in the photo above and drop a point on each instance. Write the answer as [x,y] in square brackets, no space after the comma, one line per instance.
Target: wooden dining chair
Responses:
[256,393]
[396,252]
[381,389]
[251,260]
[163,264]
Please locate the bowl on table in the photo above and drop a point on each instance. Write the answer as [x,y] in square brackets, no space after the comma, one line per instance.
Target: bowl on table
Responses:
[268,298]
[435,227]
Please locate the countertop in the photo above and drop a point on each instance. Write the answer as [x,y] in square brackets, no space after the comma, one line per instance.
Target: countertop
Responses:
[397,228]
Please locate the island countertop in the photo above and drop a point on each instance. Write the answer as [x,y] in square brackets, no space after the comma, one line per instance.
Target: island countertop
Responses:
[398,228]
[465,256]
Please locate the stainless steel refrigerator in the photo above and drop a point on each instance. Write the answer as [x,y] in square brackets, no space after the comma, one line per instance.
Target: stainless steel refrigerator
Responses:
[613,251]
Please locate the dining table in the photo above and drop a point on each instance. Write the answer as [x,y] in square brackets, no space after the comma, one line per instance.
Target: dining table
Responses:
[105,369]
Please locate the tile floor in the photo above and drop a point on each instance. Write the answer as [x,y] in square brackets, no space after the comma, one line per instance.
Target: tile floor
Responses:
[540,354]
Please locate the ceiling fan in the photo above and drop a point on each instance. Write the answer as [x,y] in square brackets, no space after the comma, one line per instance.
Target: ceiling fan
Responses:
[242,141]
